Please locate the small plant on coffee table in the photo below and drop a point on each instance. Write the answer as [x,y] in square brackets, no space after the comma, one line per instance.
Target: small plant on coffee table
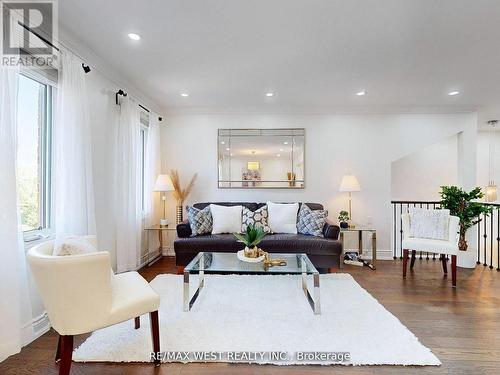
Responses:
[251,238]
[343,219]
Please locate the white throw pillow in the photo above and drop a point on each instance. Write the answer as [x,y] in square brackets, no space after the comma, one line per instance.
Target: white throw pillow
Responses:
[226,219]
[283,217]
[72,245]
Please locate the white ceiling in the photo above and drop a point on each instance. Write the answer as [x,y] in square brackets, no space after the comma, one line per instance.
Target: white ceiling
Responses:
[314,54]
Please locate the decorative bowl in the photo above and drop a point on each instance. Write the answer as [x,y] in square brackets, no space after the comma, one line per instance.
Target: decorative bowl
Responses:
[241,256]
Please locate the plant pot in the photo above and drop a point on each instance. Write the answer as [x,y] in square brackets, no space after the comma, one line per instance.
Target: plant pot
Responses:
[467,259]
[344,224]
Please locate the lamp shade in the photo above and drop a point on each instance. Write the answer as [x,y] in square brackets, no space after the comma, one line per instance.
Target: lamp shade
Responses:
[163,183]
[349,183]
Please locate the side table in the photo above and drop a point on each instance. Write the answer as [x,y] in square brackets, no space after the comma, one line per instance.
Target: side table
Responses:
[360,231]
[153,256]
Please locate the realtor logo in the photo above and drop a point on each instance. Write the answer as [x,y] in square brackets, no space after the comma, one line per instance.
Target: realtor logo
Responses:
[28,29]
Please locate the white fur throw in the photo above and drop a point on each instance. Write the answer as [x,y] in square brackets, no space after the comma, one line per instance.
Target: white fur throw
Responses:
[72,245]
[430,224]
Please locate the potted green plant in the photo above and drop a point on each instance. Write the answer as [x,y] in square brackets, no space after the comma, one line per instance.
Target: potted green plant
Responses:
[343,219]
[464,205]
[251,238]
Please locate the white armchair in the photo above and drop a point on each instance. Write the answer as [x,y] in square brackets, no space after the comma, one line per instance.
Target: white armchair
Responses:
[81,294]
[443,247]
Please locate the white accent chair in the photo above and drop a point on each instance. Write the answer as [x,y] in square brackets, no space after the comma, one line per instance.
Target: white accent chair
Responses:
[81,294]
[442,247]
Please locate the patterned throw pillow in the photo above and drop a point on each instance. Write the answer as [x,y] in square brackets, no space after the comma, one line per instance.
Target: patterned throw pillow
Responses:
[200,221]
[311,222]
[257,218]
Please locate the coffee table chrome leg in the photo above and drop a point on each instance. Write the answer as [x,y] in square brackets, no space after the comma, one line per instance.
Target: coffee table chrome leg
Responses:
[186,291]
[304,274]
[317,303]
[188,303]
[313,302]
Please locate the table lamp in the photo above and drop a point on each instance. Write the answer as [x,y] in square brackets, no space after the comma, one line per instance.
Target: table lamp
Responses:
[163,184]
[349,184]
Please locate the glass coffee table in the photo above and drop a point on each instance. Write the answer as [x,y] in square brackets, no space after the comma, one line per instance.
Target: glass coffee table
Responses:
[228,263]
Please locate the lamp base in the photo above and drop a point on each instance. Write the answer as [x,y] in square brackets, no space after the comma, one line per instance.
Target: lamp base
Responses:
[164,222]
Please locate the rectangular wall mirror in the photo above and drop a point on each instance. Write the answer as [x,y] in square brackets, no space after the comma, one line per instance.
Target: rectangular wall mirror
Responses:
[261,158]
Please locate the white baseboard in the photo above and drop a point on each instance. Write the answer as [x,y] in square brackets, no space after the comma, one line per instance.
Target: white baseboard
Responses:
[168,251]
[38,326]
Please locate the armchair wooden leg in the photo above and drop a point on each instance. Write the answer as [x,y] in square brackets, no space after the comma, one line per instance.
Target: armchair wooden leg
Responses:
[180,270]
[66,354]
[155,335]
[454,271]
[413,256]
[137,322]
[58,352]
[443,261]
[405,262]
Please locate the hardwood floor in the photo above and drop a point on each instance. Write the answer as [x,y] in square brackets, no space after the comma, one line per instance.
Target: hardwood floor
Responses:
[461,326]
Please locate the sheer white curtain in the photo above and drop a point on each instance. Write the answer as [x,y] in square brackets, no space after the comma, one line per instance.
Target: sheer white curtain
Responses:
[15,307]
[152,170]
[128,187]
[74,210]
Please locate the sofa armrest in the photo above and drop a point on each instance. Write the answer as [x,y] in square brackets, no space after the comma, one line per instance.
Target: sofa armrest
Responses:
[184,229]
[331,230]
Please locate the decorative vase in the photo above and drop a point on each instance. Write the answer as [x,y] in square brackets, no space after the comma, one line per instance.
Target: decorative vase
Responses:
[344,224]
[178,214]
[251,252]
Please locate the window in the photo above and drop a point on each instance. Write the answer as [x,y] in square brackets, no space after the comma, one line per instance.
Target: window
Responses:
[34,135]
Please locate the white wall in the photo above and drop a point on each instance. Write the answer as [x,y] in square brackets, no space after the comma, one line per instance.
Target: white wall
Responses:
[419,175]
[365,145]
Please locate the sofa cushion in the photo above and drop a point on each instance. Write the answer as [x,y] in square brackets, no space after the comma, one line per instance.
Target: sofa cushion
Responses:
[273,243]
[258,218]
[311,222]
[200,221]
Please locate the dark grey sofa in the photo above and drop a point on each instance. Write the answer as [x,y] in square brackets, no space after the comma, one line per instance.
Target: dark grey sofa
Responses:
[324,252]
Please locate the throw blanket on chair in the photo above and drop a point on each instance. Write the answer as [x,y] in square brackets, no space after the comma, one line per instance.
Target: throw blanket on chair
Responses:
[430,224]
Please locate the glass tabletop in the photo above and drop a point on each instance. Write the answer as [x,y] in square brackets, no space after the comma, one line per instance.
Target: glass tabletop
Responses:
[214,262]
[357,228]
[159,227]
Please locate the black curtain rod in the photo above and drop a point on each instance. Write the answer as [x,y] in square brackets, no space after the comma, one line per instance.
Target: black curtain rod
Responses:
[86,68]
[38,35]
[123,93]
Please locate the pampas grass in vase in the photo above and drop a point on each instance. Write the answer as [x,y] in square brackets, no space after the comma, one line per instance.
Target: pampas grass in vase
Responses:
[180,194]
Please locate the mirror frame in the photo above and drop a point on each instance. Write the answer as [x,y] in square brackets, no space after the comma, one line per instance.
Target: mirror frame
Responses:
[258,132]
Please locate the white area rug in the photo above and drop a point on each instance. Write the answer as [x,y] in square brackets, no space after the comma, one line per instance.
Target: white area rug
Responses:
[264,314]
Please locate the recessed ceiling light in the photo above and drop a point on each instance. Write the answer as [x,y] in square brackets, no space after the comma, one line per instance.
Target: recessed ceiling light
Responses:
[232,154]
[278,155]
[285,143]
[269,94]
[184,94]
[222,142]
[227,149]
[361,93]
[453,93]
[281,150]
[134,36]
